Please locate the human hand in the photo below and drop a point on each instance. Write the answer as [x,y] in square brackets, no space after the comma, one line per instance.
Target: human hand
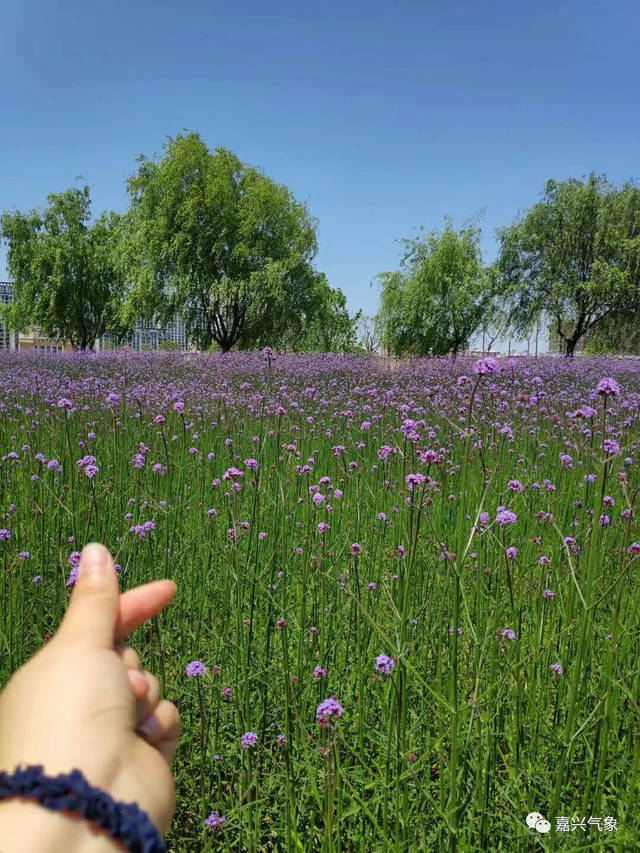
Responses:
[83,702]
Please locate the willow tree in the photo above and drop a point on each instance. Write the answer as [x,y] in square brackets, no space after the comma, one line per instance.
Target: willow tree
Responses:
[574,257]
[437,299]
[220,244]
[63,267]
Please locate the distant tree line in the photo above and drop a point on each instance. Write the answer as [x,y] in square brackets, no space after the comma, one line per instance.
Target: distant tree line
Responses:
[573,257]
[205,237]
[218,243]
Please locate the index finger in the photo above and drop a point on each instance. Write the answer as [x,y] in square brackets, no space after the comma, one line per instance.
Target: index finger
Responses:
[141,603]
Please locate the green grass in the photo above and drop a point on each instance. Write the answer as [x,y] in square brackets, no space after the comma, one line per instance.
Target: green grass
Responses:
[472,730]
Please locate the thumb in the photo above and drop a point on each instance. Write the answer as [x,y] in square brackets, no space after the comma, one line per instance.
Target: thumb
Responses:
[93,610]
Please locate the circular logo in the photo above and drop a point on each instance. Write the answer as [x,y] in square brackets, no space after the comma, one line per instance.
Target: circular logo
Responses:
[532,819]
[543,826]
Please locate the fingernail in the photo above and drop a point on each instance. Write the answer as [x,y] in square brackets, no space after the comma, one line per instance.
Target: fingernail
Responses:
[139,683]
[149,727]
[94,561]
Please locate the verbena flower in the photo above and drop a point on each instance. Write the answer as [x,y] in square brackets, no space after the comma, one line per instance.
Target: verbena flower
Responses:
[327,710]
[505,516]
[248,740]
[608,387]
[215,821]
[487,366]
[196,669]
[233,474]
[385,664]
[508,634]
[566,461]
[413,480]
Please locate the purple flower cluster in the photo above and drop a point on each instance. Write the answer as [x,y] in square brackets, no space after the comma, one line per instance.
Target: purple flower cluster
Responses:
[141,530]
[505,516]
[487,366]
[385,664]
[215,821]
[515,464]
[507,634]
[609,387]
[248,740]
[196,669]
[328,710]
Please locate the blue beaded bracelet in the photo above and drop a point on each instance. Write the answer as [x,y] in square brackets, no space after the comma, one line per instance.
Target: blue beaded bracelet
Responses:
[71,792]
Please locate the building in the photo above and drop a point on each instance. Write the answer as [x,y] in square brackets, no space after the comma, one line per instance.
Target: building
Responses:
[33,339]
[8,339]
[504,343]
[146,336]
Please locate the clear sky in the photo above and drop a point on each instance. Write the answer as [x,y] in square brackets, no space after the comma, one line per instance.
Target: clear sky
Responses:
[382,115]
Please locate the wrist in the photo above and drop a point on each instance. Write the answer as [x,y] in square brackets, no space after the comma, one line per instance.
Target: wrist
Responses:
[28,827]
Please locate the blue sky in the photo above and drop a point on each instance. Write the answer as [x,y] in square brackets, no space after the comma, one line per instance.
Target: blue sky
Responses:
[382,115]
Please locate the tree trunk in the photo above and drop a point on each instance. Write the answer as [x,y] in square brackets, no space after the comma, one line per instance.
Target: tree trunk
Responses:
[571,346]
[573,340]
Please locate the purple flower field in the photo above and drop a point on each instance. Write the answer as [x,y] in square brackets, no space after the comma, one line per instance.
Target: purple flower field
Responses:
[407,610]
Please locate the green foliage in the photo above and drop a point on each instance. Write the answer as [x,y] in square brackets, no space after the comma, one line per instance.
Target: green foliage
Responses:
[226,247]
[169,346]
[65,279]
[575,256]
[438,298]
[599,345]
[616,335]
[378,779]
[330,328]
